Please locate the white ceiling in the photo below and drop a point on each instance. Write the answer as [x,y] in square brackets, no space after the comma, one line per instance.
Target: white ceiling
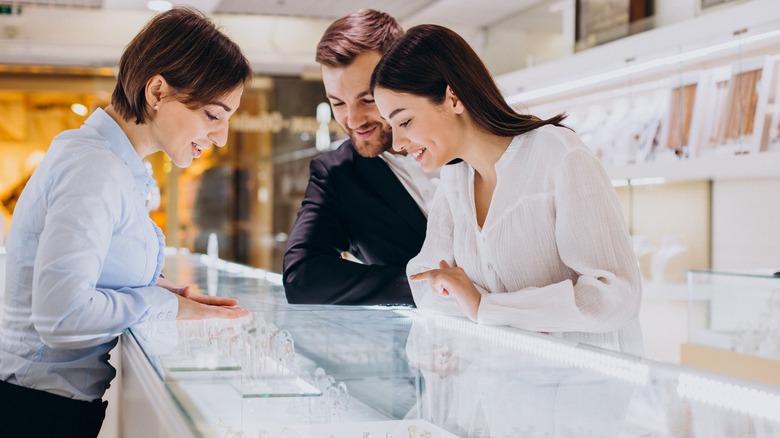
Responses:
[278,36]
[454,12]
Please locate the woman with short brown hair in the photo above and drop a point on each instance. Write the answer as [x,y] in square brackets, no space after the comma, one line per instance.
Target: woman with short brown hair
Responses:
[83,256]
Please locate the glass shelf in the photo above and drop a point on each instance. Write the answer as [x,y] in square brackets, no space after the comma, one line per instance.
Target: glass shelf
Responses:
[765,274]
[322,371]
[736,330]
[737,302]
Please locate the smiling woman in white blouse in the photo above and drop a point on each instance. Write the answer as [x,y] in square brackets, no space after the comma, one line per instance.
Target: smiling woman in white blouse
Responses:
[525,229]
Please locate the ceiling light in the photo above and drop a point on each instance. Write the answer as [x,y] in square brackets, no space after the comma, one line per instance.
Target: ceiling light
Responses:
[159,5]
[79,109]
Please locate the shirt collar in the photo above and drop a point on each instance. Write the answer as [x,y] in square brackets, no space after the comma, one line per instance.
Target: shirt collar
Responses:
[506,158]
[120,145]
[404,160]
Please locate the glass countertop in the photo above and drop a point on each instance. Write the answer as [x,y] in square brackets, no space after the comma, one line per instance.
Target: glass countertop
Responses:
[333,371]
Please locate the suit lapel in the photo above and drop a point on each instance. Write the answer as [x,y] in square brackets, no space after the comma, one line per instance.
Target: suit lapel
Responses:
[379,176]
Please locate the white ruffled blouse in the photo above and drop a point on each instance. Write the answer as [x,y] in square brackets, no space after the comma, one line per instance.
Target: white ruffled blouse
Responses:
[554,253]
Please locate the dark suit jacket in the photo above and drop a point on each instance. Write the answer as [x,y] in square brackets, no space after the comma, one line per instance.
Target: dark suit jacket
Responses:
[354,204]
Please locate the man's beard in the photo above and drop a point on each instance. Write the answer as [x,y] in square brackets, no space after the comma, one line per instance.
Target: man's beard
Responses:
[375,146]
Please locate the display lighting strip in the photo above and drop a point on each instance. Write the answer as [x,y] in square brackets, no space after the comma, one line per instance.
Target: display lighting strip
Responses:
[550,350]
[524,97]
[730,396]
[235,268]
[637,181]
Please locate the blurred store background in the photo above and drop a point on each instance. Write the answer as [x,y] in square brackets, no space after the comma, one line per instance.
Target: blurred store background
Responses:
[57,60]
[679,98]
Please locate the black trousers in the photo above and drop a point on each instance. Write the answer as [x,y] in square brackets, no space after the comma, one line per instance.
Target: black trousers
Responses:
[26,412]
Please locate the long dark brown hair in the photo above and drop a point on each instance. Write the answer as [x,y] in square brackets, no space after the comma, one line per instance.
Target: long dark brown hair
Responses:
[428,58]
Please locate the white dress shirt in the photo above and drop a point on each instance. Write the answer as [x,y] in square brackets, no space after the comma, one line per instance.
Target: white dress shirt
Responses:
[82,264]
[420,185]
[554,253]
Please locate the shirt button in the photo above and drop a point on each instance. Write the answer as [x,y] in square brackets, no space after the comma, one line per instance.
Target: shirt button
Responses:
[490,266]
[170,314]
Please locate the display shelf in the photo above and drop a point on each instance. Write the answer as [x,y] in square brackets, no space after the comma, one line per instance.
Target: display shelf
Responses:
[385,372]
[724,167]
[647,55]
[670,105]
[705,125]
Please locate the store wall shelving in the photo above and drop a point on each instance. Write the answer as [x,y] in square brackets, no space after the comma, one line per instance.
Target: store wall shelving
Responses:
[695,101]
[691,101]
[689,130]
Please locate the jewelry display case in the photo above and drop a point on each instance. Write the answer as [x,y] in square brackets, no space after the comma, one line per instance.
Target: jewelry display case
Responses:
[334,371]
[734,324]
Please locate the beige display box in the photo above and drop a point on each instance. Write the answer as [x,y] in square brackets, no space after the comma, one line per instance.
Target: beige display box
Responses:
[730,363]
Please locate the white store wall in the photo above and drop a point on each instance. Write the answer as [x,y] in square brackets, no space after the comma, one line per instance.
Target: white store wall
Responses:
[746,225]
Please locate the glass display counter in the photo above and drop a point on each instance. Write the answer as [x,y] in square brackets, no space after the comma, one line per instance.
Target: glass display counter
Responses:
[735,324]
[382,372]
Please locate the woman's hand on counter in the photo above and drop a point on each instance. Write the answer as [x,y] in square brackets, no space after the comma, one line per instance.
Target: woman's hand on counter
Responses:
[452,281]
[193,304]
[205,306]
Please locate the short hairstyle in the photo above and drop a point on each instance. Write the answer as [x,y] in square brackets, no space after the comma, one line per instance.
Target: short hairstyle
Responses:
[363,31]
[184,46]
[429,57]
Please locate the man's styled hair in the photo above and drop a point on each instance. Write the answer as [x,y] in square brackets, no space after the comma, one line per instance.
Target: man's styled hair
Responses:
[363,31]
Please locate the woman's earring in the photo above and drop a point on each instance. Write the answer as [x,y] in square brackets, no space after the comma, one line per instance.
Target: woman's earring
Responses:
[156,106]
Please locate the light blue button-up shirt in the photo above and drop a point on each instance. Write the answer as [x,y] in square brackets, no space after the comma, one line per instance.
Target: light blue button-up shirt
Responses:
[82,264]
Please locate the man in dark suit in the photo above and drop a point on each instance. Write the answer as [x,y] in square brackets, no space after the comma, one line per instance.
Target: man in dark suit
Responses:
[361,198]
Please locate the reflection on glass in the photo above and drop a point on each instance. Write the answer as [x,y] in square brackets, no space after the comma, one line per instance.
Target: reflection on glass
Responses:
[474,389]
